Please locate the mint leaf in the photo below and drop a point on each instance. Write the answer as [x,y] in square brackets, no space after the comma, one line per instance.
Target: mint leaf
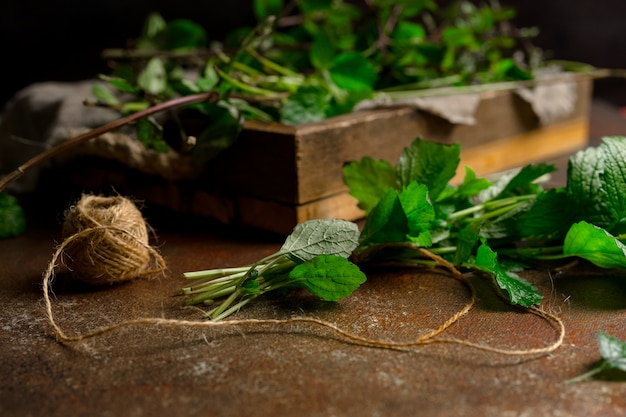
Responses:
[429,163]
[329,277]
[523,181]
[104,95]
[387,222]
[549,217]
[153,79]
[352,72]
[613,177]
[596,245]
[369,180]
[321,237]
[519,290]
[307,104]
[120,83]
[12,216]
[612,350]
[584,185]
[419,213]
[466,240]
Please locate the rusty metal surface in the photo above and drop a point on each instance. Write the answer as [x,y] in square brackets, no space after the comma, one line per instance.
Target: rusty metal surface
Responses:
[295,370]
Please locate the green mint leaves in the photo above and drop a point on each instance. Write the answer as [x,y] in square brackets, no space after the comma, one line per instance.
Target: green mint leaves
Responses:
[313,257]
[416,215]
[490,227]
[12,217]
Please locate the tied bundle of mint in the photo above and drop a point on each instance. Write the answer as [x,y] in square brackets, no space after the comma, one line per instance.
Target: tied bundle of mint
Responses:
[415,216]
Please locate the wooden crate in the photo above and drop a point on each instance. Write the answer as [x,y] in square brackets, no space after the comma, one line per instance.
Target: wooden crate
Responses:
[276,176]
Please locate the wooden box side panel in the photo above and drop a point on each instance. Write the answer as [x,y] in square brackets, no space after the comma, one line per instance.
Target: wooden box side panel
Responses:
[322,153]
[323,149]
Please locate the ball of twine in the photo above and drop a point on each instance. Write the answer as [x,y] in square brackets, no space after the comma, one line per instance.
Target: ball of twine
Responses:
[106,241]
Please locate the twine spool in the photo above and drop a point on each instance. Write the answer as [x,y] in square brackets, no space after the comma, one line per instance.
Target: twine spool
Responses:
[106,241]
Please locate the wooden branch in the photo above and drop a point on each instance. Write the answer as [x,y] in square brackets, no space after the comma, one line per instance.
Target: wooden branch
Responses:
[73,142]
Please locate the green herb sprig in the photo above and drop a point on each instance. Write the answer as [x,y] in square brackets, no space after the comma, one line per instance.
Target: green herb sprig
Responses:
[416,216]
[313,257]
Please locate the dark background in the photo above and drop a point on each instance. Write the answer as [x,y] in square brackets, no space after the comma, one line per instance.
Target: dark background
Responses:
[62,40]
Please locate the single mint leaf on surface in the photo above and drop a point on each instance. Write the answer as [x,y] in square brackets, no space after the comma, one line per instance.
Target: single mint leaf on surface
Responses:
[596,245]
[369,180]
[613,183]
[429,163]
[518,290]
[612,350]
[321,237]
[12,216]
[329,277]
[352,72]
[419,212]
[308,104]
[387,222]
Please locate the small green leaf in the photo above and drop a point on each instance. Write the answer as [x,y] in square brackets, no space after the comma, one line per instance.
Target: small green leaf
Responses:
[184,34]
[419,212]
[329,277]
[523,181]
[321,237]
[549,217]
[153,79]
[104,95]
[352,72]
[308,104]
[369,180]
[322,51]
[613,179]
[429,163]
[612,350]
[466,241]
[596,245]
[120,83]
[518,290]
[12,216]
[387,222]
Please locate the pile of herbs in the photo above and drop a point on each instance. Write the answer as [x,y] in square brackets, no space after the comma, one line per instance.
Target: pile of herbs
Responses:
[308,60]
[416,216]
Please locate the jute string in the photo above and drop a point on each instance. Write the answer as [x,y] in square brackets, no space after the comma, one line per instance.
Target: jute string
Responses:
[91,232]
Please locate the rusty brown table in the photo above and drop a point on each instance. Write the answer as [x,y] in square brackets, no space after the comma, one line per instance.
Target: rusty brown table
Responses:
[297,369]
